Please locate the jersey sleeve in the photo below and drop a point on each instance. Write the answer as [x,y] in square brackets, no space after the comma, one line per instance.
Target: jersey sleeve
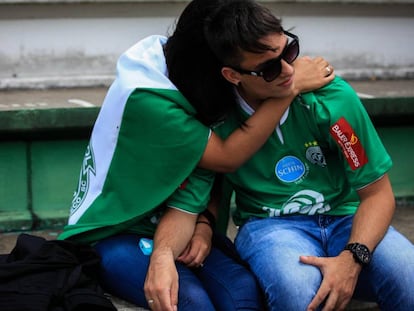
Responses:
[350,132]
[194,193]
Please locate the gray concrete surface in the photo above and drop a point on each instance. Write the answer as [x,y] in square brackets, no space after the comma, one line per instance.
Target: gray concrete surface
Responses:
[90,97]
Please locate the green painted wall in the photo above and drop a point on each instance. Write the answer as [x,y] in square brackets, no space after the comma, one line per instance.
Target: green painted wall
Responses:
[14,196]
[55,167]
[399,142]
[37,182]
[41,153]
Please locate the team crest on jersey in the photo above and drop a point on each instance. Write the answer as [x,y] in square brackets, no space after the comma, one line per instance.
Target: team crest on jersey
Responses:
[290,169]
[88,167]
[314,154]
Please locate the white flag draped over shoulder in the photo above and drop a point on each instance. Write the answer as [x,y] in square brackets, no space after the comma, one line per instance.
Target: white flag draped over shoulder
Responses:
[144,143]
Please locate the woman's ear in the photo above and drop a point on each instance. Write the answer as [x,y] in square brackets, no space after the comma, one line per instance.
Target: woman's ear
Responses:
[231,75]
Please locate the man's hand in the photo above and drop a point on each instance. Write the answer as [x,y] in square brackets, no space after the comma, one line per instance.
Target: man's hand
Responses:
[312,73]
[340,275]
[198,248]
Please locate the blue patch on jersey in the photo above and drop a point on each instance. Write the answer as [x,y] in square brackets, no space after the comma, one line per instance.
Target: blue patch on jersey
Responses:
[289,169]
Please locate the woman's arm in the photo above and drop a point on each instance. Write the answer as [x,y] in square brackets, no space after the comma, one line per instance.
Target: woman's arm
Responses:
[173,234]
[200,245]
[227,156]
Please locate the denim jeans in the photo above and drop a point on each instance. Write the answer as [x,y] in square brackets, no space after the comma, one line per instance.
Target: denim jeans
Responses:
[221,284]
[272,247]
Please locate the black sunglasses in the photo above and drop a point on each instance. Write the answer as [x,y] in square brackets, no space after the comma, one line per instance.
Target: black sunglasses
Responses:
[272,68]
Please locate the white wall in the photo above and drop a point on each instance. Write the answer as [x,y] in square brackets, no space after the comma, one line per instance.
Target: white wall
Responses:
[74,43]
[361,46]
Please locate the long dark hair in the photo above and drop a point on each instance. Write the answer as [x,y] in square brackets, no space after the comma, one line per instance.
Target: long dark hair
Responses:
[194,68]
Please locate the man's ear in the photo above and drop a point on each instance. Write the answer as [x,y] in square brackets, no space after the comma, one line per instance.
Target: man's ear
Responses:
[231,75]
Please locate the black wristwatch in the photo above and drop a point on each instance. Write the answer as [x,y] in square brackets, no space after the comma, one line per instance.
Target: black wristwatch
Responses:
[361,253]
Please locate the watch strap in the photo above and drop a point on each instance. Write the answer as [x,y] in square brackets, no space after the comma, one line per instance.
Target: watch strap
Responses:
[361,253]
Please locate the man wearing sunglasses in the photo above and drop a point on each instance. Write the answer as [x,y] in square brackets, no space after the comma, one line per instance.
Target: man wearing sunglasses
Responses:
[315,203]
[272,68]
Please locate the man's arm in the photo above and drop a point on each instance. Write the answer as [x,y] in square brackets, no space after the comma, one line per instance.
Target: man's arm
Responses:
[374,214]
[371,221]
[173,234]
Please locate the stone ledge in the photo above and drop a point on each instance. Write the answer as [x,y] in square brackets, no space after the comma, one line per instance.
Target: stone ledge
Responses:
[69,120]
[47,123]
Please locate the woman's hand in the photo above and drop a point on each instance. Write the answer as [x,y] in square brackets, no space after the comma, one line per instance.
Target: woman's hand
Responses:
[312,73]
[199,247]
[173,233]
[161,283]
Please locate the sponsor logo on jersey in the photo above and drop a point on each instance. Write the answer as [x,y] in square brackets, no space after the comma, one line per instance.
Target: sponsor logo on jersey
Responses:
[314,154]
[88,167]
[344,135]
[305,202]
[290,169]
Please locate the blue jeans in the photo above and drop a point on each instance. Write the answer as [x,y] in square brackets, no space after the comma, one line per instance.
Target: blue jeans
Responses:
[272,247]
[221,284]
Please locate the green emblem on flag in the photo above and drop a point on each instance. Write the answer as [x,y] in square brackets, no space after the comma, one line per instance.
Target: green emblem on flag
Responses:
[88,167]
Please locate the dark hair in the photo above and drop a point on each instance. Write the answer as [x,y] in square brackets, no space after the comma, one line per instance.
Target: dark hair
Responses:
[194,68]
[238,26]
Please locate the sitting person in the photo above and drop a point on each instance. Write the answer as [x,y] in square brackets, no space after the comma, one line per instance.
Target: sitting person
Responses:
[151,139]
[315,203]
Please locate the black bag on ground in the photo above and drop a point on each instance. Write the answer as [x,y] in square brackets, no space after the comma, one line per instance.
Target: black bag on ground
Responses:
[51,275]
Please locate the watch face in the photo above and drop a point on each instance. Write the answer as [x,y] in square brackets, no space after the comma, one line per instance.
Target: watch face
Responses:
[363,254]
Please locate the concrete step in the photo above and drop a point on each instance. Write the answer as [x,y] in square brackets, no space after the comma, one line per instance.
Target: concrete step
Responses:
[67,110]
[86,97]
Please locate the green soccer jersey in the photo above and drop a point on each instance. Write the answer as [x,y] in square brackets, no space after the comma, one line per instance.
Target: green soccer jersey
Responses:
[145,143]
[324,149]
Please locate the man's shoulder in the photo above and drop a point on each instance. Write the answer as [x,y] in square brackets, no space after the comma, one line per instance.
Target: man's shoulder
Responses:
[337,86]
[337,91]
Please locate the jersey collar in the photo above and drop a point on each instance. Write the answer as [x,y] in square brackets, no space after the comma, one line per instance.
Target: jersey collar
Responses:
[249,110]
